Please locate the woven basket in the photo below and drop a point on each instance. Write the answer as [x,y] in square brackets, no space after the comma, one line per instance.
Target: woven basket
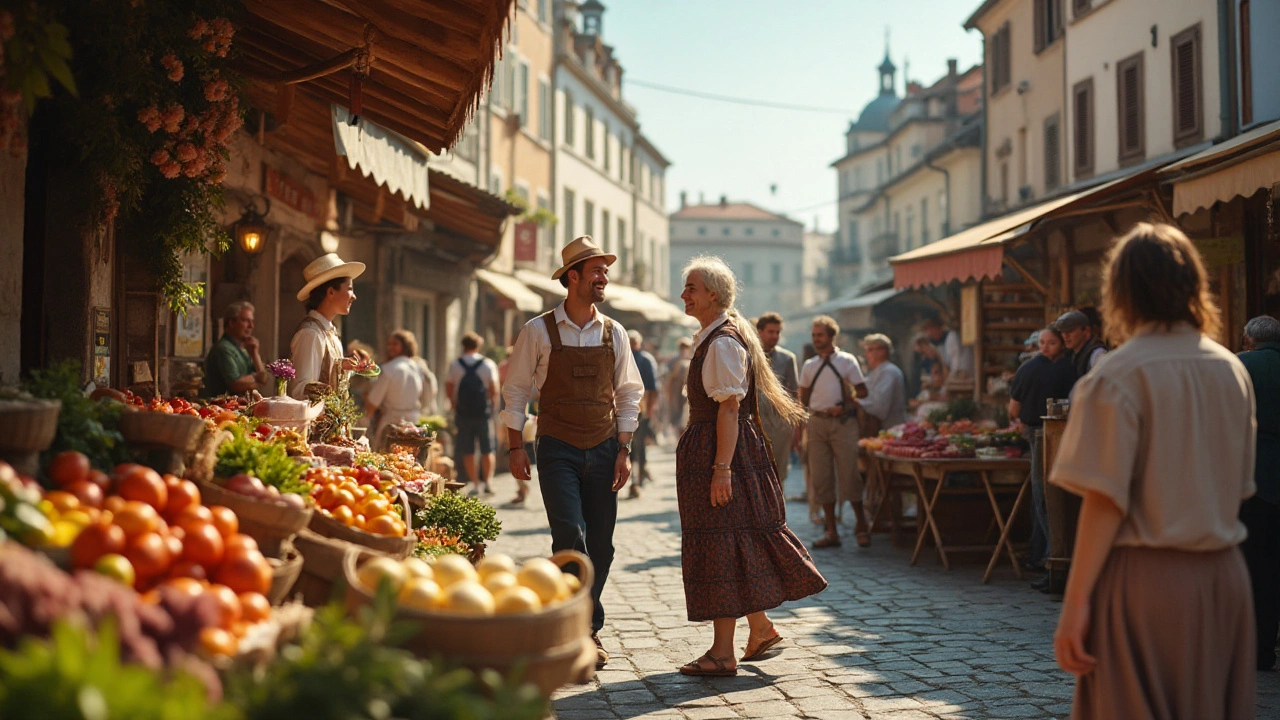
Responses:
[322,566]
[396,547]
[200,464]
[161,430]
[553,645]
[26,430]
[284,573]
[270,523]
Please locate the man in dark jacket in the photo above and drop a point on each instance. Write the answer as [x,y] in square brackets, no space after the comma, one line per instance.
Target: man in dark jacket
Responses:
[1261,513]
[1077,333]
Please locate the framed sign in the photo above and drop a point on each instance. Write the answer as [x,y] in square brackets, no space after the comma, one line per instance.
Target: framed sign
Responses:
[969,315]
[526,245]
[188,330]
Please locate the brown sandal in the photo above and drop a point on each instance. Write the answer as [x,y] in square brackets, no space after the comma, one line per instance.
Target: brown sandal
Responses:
[864,538]
[762,648]
[827,541]
[695,668]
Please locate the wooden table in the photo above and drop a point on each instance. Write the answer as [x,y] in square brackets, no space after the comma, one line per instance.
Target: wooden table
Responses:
[935,471]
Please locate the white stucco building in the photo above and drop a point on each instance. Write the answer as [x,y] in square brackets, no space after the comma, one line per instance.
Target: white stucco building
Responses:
[765,250]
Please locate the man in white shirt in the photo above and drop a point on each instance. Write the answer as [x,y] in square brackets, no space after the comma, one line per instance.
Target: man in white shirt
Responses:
[957,358]
[829,382]
[472,386]
[588,409]
[886,386]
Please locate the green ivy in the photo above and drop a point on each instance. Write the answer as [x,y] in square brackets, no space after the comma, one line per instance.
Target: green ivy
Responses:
[36,56]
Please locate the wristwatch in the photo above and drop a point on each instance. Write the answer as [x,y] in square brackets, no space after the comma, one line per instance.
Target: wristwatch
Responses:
[625,446]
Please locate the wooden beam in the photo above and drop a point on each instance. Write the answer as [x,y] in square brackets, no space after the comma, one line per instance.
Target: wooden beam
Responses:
[379,205]
[450,14]
[417,28]
[1031,279]
[285,94]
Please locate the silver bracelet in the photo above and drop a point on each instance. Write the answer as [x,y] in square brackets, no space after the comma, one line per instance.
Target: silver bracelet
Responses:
[722,466]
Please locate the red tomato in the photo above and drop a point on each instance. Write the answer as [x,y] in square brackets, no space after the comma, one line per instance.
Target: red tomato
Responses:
[224,518]
[203,545]
[245,572]
[68,467]
[95,541]
[149,556]
[182,494]
[144,485]
[90,494]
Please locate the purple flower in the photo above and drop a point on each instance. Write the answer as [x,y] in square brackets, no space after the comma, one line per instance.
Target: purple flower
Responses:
[283,369]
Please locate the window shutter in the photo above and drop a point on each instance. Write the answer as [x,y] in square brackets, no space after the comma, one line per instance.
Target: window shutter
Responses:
[1186,86]
[1083,96]
[1007,65]
[1079,7]
[1052,152]
[1130,104]
[1038,21]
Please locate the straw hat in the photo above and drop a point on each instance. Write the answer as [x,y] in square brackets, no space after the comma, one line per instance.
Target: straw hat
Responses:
[325,268]
[581,249]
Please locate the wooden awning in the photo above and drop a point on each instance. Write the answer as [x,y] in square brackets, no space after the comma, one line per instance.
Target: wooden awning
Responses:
[423,63]
[1240,166]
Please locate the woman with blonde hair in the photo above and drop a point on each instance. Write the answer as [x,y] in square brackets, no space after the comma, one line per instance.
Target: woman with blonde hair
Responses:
[1157,618]
[737,554]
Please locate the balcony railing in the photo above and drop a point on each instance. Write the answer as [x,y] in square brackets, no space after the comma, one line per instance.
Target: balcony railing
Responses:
[882,247]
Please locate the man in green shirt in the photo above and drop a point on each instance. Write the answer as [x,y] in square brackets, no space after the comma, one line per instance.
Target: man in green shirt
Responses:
[233,366]
[1261,513]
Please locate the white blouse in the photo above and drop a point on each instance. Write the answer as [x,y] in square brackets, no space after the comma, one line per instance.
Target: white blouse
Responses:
[307,353]
[724,368]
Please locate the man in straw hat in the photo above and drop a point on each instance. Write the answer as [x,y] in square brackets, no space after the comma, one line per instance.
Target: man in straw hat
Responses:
[316,350]
[578,361]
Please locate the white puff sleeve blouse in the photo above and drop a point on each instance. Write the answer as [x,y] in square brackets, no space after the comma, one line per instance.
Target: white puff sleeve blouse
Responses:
[724,369]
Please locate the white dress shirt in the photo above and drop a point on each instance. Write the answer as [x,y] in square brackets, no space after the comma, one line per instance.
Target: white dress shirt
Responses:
[399,387]
[527,366]
[724,368]
[957,357]
[886,395]
[306,352]
[826,391]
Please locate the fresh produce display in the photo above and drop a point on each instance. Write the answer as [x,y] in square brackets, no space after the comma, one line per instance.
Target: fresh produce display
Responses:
[268,460]
[451,584]
[434,541]
[173,406]
[948,440]
[357,498]
[87,425]
[251,486]
[471,520]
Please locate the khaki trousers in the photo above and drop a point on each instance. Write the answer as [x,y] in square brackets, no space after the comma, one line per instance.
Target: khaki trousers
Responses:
[833,460]
[781,436]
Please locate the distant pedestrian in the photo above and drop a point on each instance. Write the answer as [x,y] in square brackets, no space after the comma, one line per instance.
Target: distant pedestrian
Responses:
[401,391]
[783,436]
[830,382]
[472,386]
[1261,513]
[648,368]
[1077,332]
[957,358]
[1046,375]
[1157,619]
[576,359]
[738,558]
[233,365]
[886,399]
[677,373]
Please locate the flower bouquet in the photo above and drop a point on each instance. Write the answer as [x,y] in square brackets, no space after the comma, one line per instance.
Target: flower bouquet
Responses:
[283,371]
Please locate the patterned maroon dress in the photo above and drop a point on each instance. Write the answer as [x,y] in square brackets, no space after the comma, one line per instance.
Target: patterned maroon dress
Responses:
[740,558]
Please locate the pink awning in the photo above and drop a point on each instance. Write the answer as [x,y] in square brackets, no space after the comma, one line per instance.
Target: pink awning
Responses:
[976,264]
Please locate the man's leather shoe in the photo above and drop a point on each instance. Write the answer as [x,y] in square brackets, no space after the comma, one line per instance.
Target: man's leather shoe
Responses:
[602,655]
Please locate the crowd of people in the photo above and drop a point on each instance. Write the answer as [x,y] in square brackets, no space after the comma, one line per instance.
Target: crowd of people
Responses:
[1173,444]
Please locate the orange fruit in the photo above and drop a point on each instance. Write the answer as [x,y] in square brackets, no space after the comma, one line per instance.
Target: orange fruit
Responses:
[203,545]
[217,641]
[89,494]
[343,514]
[137,518]
[62,501]
[239,544]
[99,478]
[245,572]
[254,607]
[192,515]
[149,555]
[144,485]
[224,518]
[187,585]
[95,541]
[114,503]
[68,467]
[346,497]
[188,569]
[384,525]
[228,605]
[173,545]
[374,505]
[182,494]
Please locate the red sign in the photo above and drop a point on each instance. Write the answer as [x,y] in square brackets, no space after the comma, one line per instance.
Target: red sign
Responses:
[289,191]
[526,242]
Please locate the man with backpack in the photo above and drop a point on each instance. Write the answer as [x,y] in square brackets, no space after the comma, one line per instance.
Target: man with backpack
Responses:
[829,383]
[472,387]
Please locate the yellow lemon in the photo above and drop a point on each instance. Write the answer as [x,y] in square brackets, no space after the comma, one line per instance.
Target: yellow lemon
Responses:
[543,577]
[64,533]
[377,569]
[573,583]
[80,518]
[517,599]
[47,509]
[419,594]
[468,597]
[451,569]
[496,582]
[418,568]
[495,563]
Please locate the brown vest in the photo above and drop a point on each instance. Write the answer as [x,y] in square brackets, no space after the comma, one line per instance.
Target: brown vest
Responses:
[576,404]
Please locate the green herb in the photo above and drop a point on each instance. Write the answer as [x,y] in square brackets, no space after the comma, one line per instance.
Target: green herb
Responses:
[267,461]
[75,675]
[472,521]
[340,413]
[957,409]
[89,426]
[344,668]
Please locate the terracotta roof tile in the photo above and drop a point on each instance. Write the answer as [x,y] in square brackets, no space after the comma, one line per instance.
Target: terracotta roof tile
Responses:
[727,211]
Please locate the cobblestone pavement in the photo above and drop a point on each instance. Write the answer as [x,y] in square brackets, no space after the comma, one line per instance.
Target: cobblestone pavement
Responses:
[885,640]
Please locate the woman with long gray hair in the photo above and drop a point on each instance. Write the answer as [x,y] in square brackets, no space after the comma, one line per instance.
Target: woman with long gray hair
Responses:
[738,556]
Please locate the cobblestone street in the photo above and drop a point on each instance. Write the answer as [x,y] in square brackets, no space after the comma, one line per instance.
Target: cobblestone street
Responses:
[885,640]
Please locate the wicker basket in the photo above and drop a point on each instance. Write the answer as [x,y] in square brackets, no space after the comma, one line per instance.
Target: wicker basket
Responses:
[397,547]
[553,645]
[284,573]
[27,428]
[161,430]
[200,464]
[272,524]
[322,566]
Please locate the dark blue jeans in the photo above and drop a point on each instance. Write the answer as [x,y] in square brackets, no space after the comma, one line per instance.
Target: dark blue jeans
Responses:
[1039,552]
[582,508]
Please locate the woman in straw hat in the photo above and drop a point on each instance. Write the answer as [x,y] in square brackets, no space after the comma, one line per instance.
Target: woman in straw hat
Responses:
[316,350]
[737,554]
[1157,618]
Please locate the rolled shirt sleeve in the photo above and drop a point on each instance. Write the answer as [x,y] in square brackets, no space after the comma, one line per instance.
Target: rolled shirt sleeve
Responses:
[521,366]
[306,352]
[1100,445]
[724,371]
[628,388]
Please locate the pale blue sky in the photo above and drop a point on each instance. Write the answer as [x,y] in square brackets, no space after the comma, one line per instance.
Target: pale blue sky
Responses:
[805,52]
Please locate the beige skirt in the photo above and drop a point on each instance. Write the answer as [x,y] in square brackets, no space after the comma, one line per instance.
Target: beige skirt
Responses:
[1173,635]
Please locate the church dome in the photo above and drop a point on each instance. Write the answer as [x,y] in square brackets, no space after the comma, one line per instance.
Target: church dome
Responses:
[875,116]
